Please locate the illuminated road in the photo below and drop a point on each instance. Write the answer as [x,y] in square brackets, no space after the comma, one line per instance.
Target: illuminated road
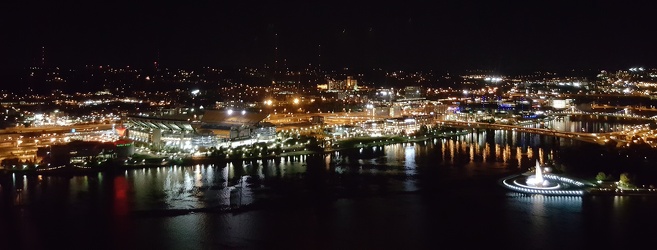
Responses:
[56,129]
[22,143]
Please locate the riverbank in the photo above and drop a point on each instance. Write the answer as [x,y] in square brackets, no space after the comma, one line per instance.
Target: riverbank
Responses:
[621,191]
[155,162]
[568,186]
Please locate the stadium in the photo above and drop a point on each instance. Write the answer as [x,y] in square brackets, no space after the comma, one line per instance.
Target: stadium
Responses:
[212,129]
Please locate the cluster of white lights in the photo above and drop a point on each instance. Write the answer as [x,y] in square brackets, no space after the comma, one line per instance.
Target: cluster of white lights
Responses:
[493,79]
[541,191]
[564,179]
[556,186]
[51,168]
[546,190]
[547,197]
[230,112]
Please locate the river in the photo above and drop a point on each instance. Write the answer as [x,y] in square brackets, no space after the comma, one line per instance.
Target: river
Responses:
[438,193]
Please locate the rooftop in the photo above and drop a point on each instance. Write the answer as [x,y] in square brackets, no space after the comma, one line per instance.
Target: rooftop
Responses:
[232,117]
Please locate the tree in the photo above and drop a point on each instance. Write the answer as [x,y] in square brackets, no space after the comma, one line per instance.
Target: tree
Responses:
[601,176]
[625,179]
[313,145]
[8,162]
[423,130]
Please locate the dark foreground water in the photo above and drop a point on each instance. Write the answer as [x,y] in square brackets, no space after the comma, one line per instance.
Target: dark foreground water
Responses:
[439,194]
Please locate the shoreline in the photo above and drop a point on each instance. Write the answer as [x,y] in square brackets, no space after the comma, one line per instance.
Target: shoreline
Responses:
[116,166]
[583,188]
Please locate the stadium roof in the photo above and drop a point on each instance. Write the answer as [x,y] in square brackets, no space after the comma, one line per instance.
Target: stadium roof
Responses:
[232,117]
[162,123]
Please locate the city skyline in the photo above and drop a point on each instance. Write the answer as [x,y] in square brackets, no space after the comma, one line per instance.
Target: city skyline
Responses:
[451,36]
[334,125]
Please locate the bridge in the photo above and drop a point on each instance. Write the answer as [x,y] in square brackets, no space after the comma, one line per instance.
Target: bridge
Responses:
[355,117]
[585,137]
[620,114]
[620,111]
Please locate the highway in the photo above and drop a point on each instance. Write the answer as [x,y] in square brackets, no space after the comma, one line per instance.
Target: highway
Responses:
[22,143]
[55,129]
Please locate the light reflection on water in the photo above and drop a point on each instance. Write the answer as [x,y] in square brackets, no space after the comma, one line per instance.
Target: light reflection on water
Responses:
[406,167]
[569,125]
[203,186]
[538,215]
[463,201]
[400,160]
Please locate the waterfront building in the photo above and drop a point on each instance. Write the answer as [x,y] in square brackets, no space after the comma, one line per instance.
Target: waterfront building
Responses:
[344,131]
[399,125]
[192,132]
[78,152]
[176,131]
[374,128]
[124,148]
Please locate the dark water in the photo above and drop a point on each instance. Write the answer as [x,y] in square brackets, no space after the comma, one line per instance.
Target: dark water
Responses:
[436,194]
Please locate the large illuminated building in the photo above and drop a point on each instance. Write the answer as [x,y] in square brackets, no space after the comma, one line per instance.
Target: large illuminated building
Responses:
[397,125]
[406,125]
[348,84]
[162,131]
[212,129]
[82,152]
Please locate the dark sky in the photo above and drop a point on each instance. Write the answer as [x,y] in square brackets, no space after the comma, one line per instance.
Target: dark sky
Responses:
[502,35]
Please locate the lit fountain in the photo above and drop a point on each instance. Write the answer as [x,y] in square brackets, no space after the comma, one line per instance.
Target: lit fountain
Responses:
[538,183]
[537,180]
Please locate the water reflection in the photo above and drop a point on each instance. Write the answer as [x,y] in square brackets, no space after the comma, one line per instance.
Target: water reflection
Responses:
[567,124]
[540,213]
[392,168]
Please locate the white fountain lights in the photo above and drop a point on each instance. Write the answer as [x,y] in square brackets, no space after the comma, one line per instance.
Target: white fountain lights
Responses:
[547,184]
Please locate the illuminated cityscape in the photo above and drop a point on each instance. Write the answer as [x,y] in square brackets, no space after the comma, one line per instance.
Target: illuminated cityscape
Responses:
[310,126]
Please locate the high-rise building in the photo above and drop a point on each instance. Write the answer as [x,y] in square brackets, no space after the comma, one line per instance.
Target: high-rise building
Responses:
[43,56]
[351,83]
[336,85]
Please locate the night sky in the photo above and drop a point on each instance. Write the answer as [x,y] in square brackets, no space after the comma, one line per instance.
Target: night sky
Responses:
[498,35]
